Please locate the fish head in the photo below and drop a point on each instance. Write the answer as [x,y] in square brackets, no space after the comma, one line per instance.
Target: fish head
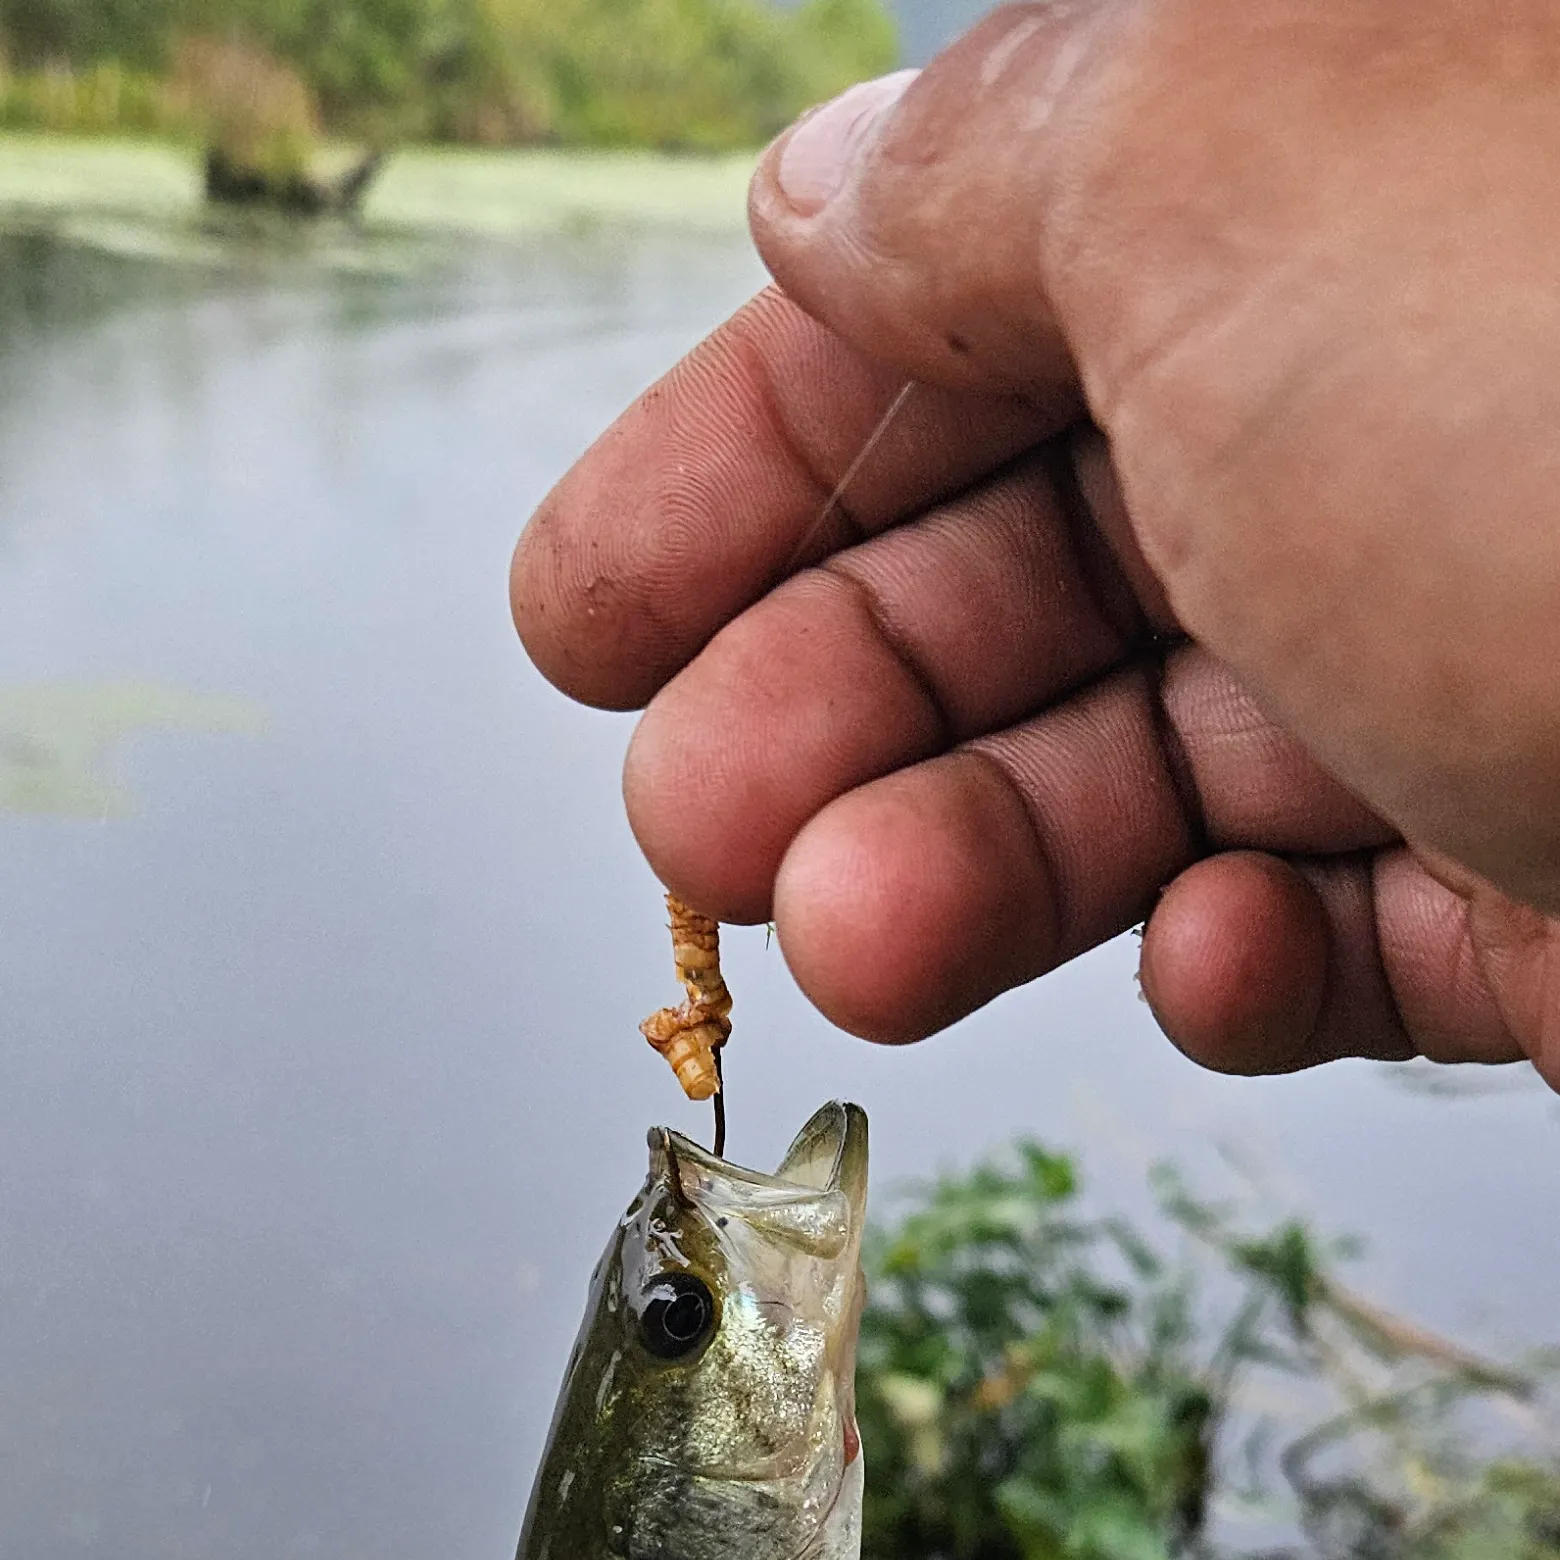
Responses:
[708,1411]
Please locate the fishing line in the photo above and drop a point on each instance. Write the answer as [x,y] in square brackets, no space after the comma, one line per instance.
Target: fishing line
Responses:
[887,421]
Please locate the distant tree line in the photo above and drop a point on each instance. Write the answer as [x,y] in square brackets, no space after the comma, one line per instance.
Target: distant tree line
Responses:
[702,75]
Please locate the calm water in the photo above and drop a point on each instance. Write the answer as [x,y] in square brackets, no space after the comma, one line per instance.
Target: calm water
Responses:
[321,1082]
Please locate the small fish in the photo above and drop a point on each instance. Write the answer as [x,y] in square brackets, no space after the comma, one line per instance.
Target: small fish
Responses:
[708,1411]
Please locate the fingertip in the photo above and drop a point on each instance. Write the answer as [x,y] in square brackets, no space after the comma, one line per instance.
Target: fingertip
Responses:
[901,908]
[527,600]
[582,621]
[672,778]
[1235,964]
[528,603]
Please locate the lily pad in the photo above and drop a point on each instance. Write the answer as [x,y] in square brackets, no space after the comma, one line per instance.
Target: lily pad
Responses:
[58,741]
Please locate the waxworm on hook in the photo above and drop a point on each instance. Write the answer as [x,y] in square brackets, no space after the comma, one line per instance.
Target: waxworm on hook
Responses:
[691,1036]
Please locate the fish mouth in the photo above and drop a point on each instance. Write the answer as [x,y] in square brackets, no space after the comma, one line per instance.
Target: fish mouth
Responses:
[818,1195]
[829,1154]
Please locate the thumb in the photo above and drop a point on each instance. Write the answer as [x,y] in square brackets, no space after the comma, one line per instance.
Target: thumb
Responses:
[908,214]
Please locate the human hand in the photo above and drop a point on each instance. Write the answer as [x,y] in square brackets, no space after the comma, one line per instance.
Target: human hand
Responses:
[1212,664]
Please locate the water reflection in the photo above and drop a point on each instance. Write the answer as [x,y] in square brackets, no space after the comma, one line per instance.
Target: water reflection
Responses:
[322,1081]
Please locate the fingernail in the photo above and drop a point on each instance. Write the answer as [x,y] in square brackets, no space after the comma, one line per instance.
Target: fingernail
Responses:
[816,159]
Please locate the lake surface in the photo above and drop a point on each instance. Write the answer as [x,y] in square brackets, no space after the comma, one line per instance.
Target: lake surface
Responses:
[324,941]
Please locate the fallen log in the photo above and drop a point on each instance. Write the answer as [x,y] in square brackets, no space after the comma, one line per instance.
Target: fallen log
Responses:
[232,181]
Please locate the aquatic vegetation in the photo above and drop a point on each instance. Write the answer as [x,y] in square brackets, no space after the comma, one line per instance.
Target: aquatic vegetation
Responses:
[143,201]
[508,193]
[57,740]
[1041,1383]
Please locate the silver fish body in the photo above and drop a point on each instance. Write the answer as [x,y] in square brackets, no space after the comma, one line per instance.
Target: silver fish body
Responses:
[708,1410]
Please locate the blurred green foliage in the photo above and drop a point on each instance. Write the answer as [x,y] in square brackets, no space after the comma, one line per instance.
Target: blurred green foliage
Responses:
[703,75]
[1041,1384]
[86,32]
[102,99]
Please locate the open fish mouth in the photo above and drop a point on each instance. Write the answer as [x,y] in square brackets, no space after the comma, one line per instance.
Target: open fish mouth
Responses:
[816,1200]
[828,1154]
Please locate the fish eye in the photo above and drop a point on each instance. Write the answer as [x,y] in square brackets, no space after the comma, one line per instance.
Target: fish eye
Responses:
[676,1315]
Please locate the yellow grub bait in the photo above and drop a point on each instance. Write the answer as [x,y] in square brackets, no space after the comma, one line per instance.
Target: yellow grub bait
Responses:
[690,1037]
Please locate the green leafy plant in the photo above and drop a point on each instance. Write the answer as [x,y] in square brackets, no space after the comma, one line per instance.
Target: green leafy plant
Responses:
[1038,1383]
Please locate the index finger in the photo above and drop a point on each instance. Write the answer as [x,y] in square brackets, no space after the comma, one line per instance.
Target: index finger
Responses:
[704,493]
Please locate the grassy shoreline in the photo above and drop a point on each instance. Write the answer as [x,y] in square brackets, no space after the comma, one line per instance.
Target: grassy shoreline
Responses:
[492,194]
